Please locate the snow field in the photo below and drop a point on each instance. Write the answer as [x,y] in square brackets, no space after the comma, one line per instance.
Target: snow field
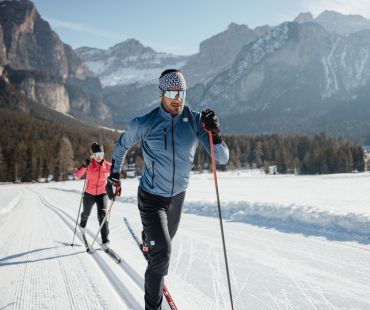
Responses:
[283,253]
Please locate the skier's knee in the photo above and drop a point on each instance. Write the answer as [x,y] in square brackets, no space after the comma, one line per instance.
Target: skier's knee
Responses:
[160,258]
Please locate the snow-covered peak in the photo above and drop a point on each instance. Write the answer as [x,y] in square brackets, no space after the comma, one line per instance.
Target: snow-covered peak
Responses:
[130,47]
[128,62]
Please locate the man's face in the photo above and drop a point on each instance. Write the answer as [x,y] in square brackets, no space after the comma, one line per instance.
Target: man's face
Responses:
[175,105]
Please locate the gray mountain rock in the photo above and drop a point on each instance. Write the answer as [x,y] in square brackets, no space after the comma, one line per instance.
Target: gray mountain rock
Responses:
[43,67]
[289,79]
[305,17]
[129,71]
[218,52]
[342,24]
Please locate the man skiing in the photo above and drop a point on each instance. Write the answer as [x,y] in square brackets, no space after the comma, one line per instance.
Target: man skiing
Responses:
[170,135]
[97,169]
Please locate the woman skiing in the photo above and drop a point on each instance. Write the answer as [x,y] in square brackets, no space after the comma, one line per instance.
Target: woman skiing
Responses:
[97,169]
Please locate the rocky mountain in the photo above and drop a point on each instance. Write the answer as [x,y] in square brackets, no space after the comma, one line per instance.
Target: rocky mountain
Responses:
[336,22]
[129,71]
[43,68]
[298,77]
[342,24]
[218,52]
[306,76]
[128,62]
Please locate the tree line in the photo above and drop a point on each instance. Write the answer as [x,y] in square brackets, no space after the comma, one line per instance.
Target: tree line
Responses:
[32,149]
[317,154]
[282,154]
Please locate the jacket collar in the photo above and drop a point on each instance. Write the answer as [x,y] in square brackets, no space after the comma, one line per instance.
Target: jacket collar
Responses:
[98,163]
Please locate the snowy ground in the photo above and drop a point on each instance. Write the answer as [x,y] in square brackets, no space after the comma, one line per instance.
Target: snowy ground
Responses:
[293,242]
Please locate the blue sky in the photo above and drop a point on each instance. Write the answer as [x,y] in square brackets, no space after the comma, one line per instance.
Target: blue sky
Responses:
[174,27]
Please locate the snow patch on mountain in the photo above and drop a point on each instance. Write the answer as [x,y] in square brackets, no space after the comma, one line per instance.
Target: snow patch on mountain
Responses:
[266,45]
[330,75]
[128,62]
[128,75]
[249,57]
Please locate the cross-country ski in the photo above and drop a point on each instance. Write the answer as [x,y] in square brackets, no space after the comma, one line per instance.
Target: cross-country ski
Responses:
[112,254]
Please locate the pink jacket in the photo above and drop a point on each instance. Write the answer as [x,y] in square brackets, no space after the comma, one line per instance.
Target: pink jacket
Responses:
[96,176]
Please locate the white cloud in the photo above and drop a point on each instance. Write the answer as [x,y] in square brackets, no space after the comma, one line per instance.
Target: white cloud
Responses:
[359,7]
[56,23]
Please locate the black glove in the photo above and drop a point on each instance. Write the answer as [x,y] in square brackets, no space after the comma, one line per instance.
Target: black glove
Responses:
[211,123]
[113,181]
[86,162]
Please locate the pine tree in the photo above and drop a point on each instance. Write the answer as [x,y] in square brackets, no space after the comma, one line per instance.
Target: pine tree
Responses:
[65,158]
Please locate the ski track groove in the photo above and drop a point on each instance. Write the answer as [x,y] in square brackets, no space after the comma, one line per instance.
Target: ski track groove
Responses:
[288,302]
[135,276]
[304,292]
[32,292]
[179,255]
[78,298]
[190,260]
[239,294]
[5,231]
[139,280]
[323,297]
[21,283]
[216,281]
[273,298]
[124,265]
[22,273]
[122,291]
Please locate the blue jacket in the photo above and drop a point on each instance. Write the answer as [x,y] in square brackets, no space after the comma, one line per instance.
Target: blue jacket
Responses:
[168,146]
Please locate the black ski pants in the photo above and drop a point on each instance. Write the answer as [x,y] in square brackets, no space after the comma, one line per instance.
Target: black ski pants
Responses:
[160,217]
[101,204]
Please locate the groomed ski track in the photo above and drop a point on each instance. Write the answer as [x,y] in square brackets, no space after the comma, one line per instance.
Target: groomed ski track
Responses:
[270,268]
[70,282]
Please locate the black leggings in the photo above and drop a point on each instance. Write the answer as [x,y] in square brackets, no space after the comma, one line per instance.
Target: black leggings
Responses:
[160,217]
[101,204]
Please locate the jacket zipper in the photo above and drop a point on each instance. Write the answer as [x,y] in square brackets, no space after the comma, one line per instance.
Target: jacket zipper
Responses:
[165,138]
[152,173]
[97,182]
[173,160]
[86,176]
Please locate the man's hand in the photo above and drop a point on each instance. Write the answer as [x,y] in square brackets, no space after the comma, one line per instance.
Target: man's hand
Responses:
[211,124]
[113,181]
[210,121]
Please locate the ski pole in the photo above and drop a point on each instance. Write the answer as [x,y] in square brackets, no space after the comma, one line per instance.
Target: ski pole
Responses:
[104,220]
[220,216]
[79,208]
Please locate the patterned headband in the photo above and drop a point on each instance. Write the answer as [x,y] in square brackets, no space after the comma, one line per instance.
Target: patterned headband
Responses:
[171,80]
